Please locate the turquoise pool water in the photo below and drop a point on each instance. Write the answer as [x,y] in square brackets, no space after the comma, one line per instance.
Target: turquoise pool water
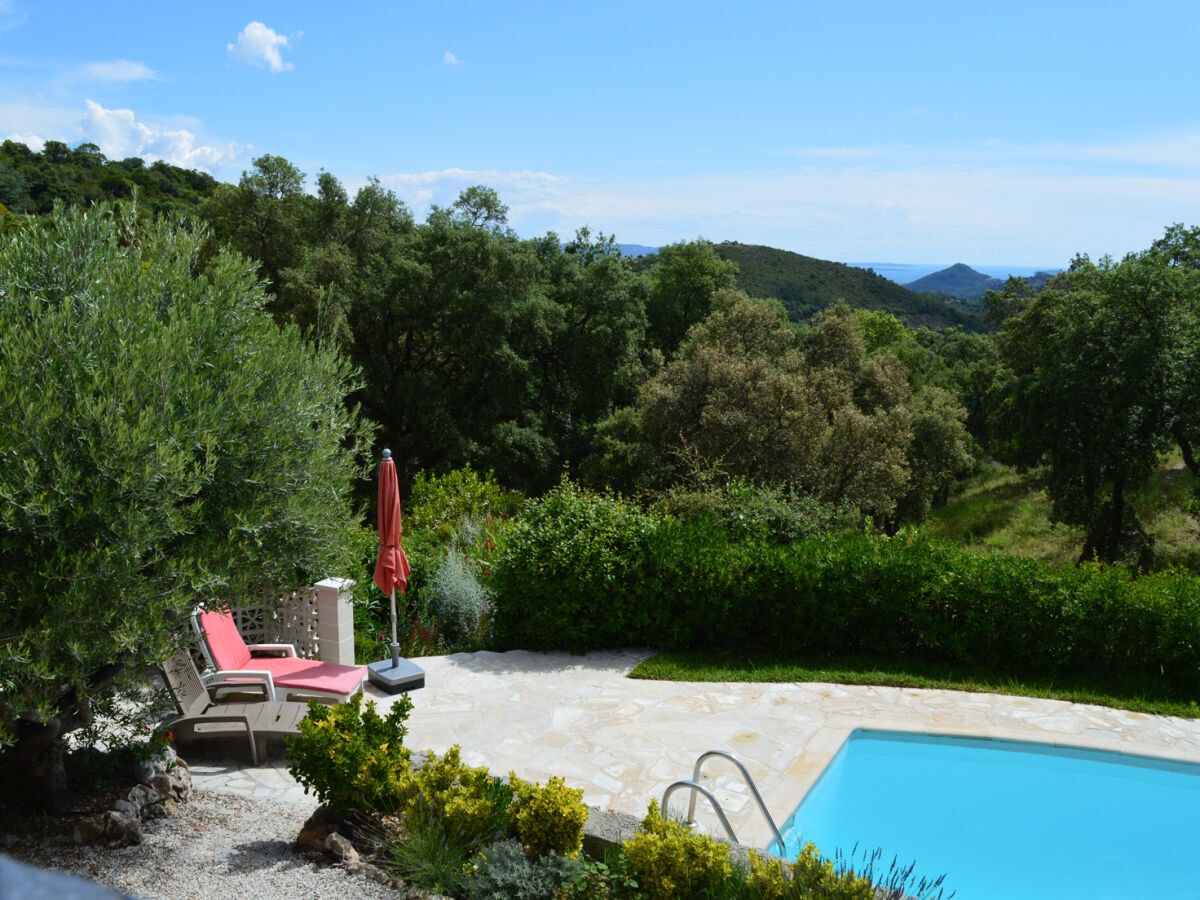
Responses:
[1009,819]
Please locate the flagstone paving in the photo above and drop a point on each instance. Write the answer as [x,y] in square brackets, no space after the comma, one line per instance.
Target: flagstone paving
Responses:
[624,741]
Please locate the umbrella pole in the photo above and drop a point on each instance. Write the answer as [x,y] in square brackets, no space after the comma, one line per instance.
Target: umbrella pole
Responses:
[395,642]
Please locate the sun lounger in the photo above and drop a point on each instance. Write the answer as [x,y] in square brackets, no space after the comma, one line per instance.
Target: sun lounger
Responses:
[284,674]
[200,717]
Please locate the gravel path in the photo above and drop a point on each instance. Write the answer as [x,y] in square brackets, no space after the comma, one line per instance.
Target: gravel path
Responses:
[218,845]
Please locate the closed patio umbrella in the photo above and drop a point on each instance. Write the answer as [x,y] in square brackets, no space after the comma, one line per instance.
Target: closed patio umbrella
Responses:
[391,574]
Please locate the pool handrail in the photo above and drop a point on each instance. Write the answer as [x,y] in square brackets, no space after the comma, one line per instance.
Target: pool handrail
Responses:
[695,787]
[716,805]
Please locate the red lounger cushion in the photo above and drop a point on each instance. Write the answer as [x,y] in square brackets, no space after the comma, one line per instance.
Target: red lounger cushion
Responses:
[225,642]
[310,674]
[230,653]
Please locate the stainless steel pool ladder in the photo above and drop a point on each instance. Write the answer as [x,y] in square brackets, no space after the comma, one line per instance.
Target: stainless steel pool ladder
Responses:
[695,787]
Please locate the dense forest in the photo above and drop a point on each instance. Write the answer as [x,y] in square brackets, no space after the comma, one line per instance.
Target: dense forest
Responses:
[534,357]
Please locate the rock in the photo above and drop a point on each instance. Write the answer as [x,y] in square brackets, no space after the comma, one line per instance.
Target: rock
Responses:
[126,807]
[340,847]
[320,825]
[175,784]
[605,829]
[144,798]
[165,780]
[113,828]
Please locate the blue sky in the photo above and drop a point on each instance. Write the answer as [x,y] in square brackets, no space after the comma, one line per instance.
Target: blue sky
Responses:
[923,132]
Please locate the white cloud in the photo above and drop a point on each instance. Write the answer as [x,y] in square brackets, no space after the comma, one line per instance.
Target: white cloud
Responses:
[1035,206]
[1171,150]
[450,59]
[32,141]
[259,45]
[116,70]
[119,135]
[519,189]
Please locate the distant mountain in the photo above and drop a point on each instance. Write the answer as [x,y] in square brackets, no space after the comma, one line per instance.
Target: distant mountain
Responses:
[636,249]
[806,286]
[962,281]
[959,281]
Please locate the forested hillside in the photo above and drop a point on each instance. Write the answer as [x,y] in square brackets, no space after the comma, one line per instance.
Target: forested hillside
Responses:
[698,364]
[30,182]
[805,286]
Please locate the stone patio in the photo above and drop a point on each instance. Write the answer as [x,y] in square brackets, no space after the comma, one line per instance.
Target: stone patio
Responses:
[623,741]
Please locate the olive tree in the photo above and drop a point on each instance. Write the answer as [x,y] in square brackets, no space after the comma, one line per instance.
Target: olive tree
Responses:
[162,440]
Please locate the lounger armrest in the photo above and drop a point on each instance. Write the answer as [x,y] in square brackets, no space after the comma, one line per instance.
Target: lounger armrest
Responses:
[241,679]
[272,649]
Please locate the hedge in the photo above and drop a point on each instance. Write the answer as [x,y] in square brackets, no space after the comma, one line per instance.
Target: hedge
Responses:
[585,572]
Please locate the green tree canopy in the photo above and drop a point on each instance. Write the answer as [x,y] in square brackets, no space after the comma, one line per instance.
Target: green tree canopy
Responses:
[162,441]
[1104,380]
[749,396]
[1179,249]
[265,216]
[682,280]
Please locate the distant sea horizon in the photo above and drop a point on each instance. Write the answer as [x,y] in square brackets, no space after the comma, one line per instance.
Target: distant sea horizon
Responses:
[905,273]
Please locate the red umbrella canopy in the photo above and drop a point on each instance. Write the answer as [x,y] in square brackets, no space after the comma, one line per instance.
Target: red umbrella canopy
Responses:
[392,568]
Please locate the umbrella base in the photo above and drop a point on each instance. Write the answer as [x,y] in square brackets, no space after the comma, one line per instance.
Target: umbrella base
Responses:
[405,676]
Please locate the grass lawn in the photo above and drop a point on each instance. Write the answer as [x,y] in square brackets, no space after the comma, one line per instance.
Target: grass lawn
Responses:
[1005,510]
[691,666]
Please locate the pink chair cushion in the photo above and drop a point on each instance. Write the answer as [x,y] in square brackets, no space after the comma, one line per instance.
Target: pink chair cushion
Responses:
[289,672]
[225,643]
[230,653]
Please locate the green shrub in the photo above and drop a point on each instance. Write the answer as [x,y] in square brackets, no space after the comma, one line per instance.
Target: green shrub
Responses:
[549,818]
[502,871]
[585,572]
[440,503]
[744,509]
[468,802]
[897,881]
[442,812]
[603,879]
[349,756]
[696,572]
[417,629]
[671,861]
[560,579]
[424,854]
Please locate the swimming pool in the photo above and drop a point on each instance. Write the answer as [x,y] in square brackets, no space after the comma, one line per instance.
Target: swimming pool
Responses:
[1008,818]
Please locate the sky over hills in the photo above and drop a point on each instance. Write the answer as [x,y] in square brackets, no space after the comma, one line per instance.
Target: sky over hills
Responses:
[1018,134]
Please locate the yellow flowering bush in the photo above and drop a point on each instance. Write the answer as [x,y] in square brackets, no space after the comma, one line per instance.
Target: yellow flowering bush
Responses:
[671,861]
[809,876]
[350,756]
[467,802]
[548,818]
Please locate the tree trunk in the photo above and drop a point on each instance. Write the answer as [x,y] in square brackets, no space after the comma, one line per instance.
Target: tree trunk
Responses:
[41,757]
[1112,549]
[1104,540]
[40,752]
[1189,458]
